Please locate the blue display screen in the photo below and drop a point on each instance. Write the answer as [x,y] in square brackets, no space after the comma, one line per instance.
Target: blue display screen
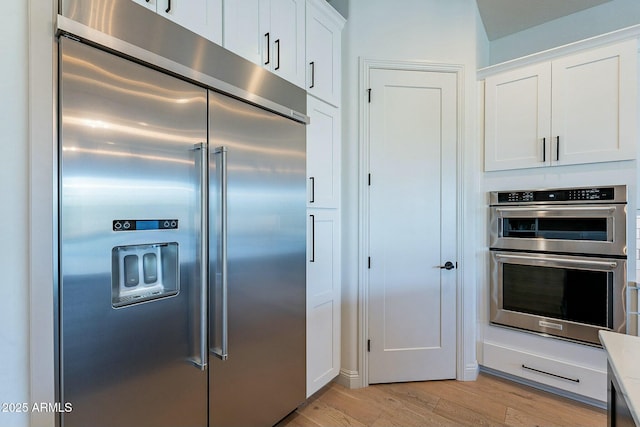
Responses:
[147,225]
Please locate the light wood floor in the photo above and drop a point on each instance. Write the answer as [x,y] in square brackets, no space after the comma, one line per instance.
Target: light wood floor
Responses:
[489,401]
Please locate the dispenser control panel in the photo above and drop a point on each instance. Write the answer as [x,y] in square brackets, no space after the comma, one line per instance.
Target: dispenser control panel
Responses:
[144,224]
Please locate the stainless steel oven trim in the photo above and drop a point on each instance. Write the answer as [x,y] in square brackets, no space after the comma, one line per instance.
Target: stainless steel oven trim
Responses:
[549,326]
[615,214]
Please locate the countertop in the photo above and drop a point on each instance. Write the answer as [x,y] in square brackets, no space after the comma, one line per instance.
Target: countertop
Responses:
[623,352]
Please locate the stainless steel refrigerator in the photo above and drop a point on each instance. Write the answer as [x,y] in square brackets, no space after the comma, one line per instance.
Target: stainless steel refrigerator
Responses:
[182,250]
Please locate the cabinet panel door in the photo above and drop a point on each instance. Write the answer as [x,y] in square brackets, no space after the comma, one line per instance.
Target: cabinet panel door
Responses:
[243,28]
[203,17]
[287,18]
[323,54]
[323,299]
[323,154]
[518,118]
[594,96]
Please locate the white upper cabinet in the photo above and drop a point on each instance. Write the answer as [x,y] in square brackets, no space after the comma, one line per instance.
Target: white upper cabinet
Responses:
[203,17]
[324,39]
[269,33]
[576,109]
[518,118]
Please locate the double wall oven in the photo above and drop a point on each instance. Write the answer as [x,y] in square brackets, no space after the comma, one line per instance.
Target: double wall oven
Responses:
[558,261]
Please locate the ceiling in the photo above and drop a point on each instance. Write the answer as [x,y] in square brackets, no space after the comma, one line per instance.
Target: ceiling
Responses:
[504,17]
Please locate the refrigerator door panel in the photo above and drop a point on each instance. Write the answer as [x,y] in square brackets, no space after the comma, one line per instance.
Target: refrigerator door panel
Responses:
[263,378]
[130,291]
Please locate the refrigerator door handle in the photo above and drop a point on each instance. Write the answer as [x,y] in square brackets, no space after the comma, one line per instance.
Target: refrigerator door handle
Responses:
[204,253]
[220,347]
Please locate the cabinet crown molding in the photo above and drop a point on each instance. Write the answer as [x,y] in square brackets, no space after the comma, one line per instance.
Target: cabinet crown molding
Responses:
[328,11]
[545,55]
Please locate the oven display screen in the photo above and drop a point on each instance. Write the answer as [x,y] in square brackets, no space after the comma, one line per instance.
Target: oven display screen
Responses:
[581,296]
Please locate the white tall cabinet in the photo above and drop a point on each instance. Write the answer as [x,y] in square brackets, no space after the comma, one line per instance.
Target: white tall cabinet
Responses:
[203,17]
[579,108]
[323,26]
[270,33]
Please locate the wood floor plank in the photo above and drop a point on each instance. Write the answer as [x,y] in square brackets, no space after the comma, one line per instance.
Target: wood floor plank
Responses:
[476,401]
[516,418]
[489,401]
[325,415]
[462,415]
[351,404]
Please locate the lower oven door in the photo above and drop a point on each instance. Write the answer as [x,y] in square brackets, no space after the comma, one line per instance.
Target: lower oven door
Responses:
[571,297]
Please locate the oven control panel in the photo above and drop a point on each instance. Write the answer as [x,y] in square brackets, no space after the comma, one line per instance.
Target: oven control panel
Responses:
[562,195]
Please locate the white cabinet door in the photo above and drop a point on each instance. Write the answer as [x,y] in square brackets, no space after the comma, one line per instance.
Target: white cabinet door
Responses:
[323,298]
[518,118]
[594,105]
[287,23]
[269,33]
[243,33]
[323,154]
[203,17]
[324,38]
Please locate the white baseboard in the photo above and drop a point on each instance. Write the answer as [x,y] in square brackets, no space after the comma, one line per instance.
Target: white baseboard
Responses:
[349,379]
[470,372]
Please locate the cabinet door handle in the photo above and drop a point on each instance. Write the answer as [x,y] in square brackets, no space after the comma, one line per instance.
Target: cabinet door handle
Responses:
[277,42]
[558,148]
[266,62]
[168,9]
[313,74]
[313,238]
[544,150]
[313,189]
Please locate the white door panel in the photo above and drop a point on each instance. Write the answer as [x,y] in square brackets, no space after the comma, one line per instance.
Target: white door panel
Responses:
[412,211]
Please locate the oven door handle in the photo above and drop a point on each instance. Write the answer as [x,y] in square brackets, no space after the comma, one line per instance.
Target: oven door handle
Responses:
[578,262]
[558,209]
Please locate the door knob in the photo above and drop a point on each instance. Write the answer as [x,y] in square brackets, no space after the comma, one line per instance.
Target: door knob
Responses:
[447,266]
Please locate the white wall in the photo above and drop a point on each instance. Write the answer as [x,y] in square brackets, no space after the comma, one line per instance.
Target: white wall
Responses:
[14,226]
[424,30]
[591,22]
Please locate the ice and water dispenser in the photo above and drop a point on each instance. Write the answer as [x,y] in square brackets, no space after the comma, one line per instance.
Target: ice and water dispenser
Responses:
[143,272]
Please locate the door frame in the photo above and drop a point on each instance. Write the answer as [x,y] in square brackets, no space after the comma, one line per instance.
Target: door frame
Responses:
[462,337]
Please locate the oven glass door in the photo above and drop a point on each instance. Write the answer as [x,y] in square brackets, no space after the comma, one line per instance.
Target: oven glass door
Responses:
[561,293]
[567,296]
[564,229]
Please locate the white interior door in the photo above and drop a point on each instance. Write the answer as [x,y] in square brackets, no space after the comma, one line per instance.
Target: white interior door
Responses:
[412,225]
